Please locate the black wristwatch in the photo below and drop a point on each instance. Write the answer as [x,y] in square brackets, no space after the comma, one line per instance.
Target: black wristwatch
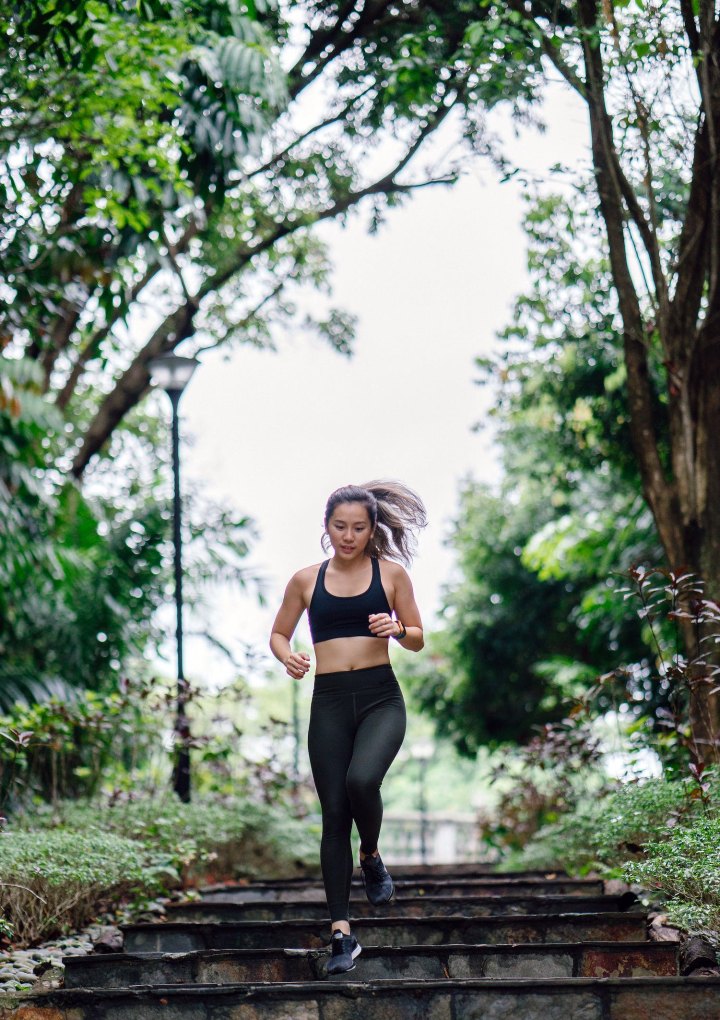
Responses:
[403,632]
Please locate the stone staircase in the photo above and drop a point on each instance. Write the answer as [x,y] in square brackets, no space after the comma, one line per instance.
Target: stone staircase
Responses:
[457,943]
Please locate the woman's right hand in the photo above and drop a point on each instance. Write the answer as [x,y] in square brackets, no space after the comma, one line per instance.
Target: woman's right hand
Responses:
[297,664]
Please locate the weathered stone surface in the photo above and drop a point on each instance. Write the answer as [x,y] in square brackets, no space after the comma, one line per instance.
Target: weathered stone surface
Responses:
[425,962]
[519,999]
[431,1005]
[578,1005]
[295,1010]
[659,1002]
[662,934]
[615,886]
[442,965]
[697,953]
[109,940]
[34,1013]
[229,970]
[623,927]
[151,1009]
[660,931]
[376,965]
[611,961]
[314,892]
[412,906]
[508,965]
[50,977]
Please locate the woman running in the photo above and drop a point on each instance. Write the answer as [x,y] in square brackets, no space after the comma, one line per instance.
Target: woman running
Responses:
[356,601]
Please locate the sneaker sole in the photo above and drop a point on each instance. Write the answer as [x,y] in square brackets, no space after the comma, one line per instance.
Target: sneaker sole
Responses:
[334,973]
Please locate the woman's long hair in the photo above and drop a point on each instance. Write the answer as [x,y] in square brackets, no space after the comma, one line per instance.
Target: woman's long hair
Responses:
[396,514]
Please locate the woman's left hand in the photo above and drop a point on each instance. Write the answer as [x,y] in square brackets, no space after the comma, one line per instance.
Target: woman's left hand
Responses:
[382,625]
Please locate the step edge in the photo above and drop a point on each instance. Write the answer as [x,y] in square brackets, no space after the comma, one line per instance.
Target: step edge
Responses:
[419,948]
[310,921]
[383,984]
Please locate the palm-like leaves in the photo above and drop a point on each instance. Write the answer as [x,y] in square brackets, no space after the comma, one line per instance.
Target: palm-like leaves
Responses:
[234,86]
[27,688]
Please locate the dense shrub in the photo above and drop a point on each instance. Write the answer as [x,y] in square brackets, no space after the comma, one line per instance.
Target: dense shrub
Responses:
[602,834]
[659,834]
[54,881]
[541,782]
[686,867]
[220,836]
[62,864]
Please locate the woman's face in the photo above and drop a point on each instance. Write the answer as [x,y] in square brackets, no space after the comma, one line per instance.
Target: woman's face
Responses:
[349,529]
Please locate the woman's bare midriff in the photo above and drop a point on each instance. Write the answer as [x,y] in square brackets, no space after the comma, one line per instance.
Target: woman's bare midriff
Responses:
[341,654]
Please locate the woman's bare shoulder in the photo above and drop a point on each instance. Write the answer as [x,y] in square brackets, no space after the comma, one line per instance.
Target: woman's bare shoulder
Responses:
[301,577]
[392,570]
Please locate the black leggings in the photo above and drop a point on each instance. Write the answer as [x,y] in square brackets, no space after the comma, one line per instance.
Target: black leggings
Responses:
[357,724]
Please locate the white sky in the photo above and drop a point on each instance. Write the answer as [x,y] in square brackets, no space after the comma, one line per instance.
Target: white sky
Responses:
[273,434]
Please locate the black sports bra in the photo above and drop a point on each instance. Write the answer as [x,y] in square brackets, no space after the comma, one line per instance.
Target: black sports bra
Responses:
[336,616]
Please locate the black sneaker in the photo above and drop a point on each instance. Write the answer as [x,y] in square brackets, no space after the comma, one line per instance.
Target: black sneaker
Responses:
[379,886]
[344,950]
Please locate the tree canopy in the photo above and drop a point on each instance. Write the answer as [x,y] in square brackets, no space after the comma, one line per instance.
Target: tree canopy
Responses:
[163,165]
[205,214]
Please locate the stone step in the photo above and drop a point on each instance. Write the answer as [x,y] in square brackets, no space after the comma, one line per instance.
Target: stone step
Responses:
[312,892]
[234,966]
[182,937]
[426,872]
[661,998]
[399,906]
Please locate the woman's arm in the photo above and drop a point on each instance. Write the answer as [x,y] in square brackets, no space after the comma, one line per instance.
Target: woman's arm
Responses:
[405,609]
[293,605]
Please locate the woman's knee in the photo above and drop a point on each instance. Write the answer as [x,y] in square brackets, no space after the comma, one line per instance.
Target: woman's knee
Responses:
[336,819]
[362,786]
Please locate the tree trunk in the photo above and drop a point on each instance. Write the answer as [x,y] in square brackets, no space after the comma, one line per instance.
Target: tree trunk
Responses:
[703,533]
[685,501]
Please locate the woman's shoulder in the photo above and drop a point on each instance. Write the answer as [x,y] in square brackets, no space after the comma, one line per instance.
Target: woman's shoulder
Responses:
[305,574]
[391,569]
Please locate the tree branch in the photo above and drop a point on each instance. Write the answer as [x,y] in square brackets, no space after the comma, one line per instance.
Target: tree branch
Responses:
[692,244]
[93,344]
[134,382]
[335,41]
[658,492]
[691,30]
[246,319]
[335,119]
[60,335]
[171,252]
[710,89]
[551,52]
[624,186]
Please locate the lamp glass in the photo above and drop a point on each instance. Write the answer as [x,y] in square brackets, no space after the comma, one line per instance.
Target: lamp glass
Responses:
[172,372]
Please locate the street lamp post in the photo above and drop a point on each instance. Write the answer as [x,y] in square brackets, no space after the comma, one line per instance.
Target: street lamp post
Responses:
[296,731]
[172,373]
[423,751]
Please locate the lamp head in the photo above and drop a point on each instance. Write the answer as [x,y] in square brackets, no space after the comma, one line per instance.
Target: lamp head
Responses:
[172,372]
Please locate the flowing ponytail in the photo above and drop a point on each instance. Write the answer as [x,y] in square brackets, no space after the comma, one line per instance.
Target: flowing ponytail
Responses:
[396,514]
